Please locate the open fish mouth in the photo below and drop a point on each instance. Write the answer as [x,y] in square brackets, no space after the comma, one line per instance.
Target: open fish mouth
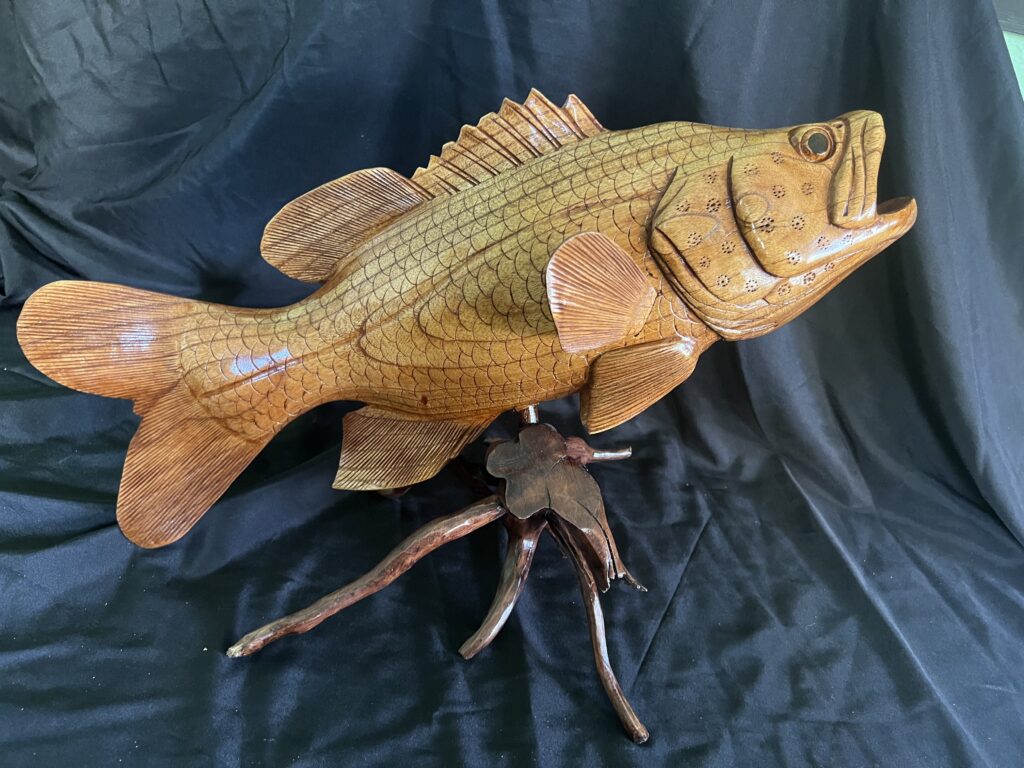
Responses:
[896,207]
[853,196]
[893,218]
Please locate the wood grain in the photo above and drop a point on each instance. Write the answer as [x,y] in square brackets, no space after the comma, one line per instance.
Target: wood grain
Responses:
[540,476]
[634,728]
[437,300]
[421,543]
[523,537]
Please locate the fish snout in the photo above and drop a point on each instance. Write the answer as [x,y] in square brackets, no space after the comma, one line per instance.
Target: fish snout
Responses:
[853,195]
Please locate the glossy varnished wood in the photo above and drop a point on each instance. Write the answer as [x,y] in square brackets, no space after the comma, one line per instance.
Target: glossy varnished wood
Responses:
[538,255]
[435,534]
[547,488]
[523,537]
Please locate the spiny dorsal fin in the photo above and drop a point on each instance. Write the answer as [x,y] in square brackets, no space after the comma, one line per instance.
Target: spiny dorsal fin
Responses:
[313,234]
[598,295]
[583,117]
[626,381]
[383,449]
[506,139]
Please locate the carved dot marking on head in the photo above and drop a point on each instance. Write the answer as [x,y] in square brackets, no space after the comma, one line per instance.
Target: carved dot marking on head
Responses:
[750,170]
[809,278]
[711,177]
[778,191]
[784,289]
[821,242]
[792,257]
[797,222]
[704,262]
[766,224]
[714,205]
[722,280]
[728,246]
[807,188]
[830,266]
[694,238]
[776,157]
[751,285]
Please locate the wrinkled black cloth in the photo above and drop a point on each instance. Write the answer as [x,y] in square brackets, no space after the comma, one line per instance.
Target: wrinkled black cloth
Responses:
[828,518]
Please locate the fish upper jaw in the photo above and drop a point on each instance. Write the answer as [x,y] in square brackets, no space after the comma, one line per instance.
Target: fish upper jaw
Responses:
[853,193]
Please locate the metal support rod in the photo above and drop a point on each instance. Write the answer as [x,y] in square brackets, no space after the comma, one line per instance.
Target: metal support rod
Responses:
[529,415]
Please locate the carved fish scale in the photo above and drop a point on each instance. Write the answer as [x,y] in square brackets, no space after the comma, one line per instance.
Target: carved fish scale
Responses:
[536,256]
[467,329]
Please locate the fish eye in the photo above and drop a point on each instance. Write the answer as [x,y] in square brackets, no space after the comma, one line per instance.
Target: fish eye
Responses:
[817,144]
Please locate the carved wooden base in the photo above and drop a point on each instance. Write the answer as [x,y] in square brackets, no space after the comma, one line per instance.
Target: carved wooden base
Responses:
[546,488]
[523,537]
[398,561]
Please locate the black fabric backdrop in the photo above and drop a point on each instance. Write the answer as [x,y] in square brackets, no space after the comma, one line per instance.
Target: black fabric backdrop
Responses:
[828,518]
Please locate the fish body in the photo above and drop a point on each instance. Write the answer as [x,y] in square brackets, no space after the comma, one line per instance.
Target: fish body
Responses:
[444,313]
[537,256]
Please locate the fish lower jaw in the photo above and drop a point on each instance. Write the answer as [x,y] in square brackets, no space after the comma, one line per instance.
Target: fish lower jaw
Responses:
[897,215]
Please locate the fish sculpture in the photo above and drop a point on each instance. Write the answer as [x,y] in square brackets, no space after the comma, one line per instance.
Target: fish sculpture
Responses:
[538,255]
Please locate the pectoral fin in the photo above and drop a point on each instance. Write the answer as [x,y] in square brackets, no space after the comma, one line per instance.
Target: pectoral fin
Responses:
[598,295]
[626,381]
[384,449]
[315,233]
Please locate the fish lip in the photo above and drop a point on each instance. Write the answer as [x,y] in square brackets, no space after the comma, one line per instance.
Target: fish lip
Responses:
[892,219]
[895,205]
[897,215]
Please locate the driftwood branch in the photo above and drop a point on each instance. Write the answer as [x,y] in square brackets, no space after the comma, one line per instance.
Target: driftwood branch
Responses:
[591,599]
[421,543]
[523,536]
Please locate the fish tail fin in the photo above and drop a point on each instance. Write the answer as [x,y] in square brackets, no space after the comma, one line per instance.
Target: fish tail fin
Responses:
[105,339]
[123,342]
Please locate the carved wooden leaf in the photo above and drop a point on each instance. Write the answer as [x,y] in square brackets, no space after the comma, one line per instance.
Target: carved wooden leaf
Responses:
[539,476]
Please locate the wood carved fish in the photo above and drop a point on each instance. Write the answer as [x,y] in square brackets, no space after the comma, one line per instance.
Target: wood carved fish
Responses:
[538,255]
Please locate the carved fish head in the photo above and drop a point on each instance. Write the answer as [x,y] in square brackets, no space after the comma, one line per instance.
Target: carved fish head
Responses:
[754,240]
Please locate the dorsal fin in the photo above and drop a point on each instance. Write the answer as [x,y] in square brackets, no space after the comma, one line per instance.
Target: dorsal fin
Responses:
[582,116]
[313,234]
[506,139]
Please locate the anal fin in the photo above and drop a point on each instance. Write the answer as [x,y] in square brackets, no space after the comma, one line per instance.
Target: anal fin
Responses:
[383,449]
[598,295]
[313,234]
[625,382]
